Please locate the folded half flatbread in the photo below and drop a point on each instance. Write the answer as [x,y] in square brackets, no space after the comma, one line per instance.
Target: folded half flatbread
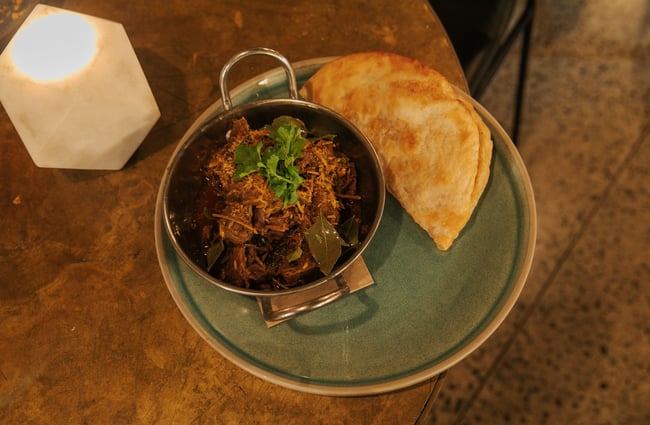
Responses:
[434,148]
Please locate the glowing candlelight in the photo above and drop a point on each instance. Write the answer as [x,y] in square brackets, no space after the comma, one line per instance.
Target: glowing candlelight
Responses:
[54,46]
[74,90]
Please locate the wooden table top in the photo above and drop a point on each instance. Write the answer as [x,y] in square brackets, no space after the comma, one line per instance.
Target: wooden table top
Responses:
[88,330]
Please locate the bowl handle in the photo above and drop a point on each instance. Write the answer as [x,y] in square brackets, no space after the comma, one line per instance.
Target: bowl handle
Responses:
[284,313]
[288,69]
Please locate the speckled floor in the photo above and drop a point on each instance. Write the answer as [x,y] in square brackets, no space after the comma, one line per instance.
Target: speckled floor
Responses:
[576,348]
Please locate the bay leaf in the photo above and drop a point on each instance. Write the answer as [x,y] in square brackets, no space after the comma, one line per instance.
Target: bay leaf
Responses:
[349,231]
[214,252]
[324,244]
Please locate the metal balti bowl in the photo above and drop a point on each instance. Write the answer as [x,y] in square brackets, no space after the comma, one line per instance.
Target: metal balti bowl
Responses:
[183,178]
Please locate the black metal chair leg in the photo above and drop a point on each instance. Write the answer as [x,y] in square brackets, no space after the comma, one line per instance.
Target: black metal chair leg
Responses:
[481,68]
[523,70]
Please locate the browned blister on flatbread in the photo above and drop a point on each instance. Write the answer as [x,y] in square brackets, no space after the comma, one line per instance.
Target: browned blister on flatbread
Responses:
[434,148]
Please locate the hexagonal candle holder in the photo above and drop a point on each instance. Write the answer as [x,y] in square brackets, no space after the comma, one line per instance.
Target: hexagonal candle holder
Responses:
[75,91]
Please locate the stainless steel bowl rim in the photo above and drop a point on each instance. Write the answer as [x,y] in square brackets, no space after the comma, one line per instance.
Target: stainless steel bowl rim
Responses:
[241,110]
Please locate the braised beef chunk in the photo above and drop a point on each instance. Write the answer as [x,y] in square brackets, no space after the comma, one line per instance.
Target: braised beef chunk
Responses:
[263,237]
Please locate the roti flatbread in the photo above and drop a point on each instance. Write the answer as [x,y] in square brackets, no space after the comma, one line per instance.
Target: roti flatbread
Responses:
[433,146]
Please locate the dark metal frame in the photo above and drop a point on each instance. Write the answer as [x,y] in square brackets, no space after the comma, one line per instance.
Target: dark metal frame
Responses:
[523,25]
[481,70]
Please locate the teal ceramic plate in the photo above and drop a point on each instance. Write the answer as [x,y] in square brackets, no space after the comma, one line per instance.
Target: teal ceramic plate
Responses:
[426,311]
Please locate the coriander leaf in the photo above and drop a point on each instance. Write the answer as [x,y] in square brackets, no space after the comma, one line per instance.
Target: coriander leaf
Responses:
[290,197]
[293,174]
[276,163]
[295,151]
[247,159]
[283,139]
[286,120]
[288,133]
[279,188]
[271,166]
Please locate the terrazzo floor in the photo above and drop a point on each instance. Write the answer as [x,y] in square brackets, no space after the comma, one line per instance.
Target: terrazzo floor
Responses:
[576,347]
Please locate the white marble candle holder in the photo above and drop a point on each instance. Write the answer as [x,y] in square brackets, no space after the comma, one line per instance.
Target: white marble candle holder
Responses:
[75,91]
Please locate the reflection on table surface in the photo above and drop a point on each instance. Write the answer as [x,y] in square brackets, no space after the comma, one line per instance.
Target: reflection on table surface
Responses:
[90,332]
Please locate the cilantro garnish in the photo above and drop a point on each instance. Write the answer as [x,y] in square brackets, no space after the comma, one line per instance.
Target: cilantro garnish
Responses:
[276,163]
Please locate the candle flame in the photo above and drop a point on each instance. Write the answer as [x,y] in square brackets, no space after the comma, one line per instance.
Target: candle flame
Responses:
[54,47]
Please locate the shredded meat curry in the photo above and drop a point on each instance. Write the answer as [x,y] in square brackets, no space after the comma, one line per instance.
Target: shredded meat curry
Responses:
[264,244]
